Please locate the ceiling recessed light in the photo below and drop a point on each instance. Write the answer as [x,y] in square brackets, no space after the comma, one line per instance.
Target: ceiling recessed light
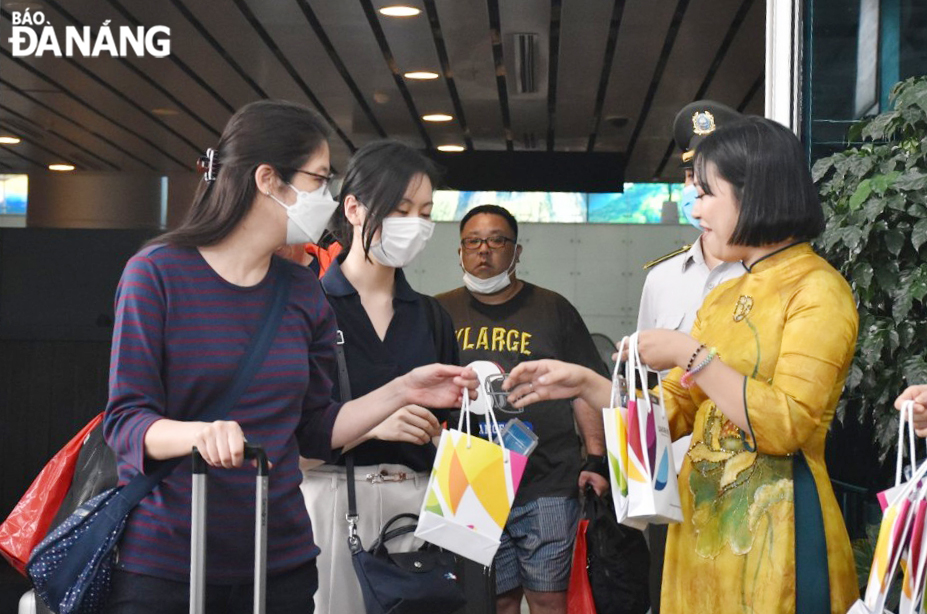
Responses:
[421,74]
[437,117]
[9,140]
[61,167]
[399,11]
[164,111]
[451,148]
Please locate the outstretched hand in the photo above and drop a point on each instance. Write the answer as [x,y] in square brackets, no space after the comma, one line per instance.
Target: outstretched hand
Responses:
[439,385]
[918,394]
[544,380]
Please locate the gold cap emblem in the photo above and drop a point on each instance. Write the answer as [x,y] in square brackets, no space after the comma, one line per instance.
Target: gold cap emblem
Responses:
[703,122]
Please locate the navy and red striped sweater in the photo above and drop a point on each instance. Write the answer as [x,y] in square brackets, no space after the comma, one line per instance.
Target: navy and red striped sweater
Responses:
[180,333]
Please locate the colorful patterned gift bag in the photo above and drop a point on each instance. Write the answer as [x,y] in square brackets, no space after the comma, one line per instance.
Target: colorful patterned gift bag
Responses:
[900,542]
[470,492]
[653,491]
[615,418]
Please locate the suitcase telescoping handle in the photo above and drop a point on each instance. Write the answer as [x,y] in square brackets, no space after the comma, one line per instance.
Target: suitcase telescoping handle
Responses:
[198,531]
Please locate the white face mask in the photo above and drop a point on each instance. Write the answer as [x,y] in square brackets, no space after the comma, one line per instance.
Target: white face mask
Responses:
[490,285]
[308,216]
[401,240]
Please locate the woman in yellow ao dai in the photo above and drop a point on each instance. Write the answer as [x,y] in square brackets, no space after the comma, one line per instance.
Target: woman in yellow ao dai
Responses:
[761,530]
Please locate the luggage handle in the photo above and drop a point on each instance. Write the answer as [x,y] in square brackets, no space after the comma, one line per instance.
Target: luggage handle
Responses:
[252,452]
[198,530]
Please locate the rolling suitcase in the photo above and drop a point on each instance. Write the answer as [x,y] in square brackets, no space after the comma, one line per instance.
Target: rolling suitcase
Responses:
[198,532]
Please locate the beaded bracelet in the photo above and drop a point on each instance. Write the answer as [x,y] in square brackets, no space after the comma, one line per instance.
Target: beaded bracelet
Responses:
[694,355]
[686,380]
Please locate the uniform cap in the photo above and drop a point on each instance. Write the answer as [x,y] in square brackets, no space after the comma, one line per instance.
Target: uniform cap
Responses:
[697,120]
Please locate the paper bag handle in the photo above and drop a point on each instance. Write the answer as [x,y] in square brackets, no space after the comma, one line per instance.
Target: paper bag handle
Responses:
[614,394]
[491,423]
[906,414]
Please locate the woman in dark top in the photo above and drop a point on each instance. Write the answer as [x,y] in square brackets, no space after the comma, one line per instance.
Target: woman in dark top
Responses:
[389,329]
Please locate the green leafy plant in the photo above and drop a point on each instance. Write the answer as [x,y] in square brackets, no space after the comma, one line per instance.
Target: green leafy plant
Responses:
[875,198]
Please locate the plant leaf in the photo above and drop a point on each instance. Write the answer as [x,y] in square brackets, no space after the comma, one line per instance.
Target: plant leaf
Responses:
[894,240]
[861,194]
[919,234]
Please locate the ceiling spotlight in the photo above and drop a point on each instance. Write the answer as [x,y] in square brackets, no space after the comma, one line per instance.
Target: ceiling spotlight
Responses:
[451,148]
[399,11]
[437,117]
[421,75]
[61,167]
[9,140]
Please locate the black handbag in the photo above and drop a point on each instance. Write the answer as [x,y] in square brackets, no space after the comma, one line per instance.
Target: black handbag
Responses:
[423,581]
[71,569]
[618,560]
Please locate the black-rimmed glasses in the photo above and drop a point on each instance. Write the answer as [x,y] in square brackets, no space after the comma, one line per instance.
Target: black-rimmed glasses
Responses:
[325,179]
[471,244]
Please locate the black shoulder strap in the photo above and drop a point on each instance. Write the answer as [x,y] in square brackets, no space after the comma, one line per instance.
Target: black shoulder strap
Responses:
[345,385]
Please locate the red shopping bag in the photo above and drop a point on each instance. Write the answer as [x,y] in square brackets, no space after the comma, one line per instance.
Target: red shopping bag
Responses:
[30,520]
[579,592]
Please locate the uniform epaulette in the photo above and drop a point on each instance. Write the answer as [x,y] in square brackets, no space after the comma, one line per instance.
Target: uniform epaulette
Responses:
[666,257]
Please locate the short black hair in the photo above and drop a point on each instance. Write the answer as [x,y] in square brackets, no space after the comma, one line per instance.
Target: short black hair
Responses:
[765,164]
[495,210]
[378,176]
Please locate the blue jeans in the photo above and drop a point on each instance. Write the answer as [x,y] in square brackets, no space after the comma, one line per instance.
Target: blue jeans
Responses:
[287,593]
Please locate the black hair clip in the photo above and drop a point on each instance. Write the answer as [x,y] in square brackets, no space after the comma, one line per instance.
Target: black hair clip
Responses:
[207,165]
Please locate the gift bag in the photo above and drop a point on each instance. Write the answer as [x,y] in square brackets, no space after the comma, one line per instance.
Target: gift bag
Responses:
[615,418]
[912,586]
[653,492]
[901,537]
[32,517]
[470,491]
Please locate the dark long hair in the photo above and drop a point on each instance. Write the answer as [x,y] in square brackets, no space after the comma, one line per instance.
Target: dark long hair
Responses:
[765,164]
[378,176]
[282,134]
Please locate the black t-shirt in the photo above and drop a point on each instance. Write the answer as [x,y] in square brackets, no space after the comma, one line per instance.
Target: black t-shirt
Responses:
[534,324]
[371,362]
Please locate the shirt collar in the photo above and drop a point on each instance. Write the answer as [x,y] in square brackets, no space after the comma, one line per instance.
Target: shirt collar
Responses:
[694,255]
[336,284]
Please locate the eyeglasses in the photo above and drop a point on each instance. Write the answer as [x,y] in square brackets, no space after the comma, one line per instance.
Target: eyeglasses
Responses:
[471,244]
[325,179]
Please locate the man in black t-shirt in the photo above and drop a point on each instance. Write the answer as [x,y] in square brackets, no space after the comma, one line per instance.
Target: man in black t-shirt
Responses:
[500,318]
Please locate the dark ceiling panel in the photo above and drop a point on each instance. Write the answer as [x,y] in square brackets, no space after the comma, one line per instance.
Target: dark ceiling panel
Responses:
[354,42]
[712,71]
[592,60]
[608,57]
[90,99]
[45,118]
[496,35]
[444,61]
[380,36]
[469,48]
[324,40]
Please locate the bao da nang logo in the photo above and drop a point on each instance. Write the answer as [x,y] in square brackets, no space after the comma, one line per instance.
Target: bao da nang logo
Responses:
[34,35]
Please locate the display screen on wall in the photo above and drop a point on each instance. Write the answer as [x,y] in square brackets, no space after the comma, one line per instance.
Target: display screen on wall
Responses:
[14,192]
[639,203]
